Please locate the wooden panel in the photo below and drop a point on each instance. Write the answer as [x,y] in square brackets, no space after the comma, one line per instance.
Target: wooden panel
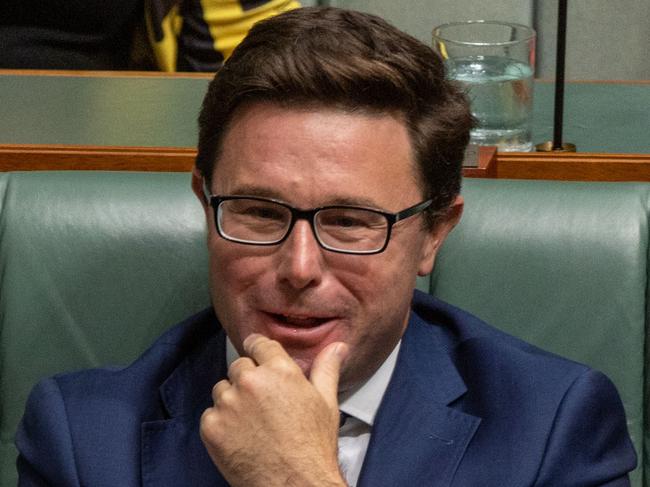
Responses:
[102,74]
[486,164]
[574,166]
[29,157]
[58,158]
[513,165]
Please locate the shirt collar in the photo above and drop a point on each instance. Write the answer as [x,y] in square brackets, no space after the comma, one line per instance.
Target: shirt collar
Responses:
[361,402]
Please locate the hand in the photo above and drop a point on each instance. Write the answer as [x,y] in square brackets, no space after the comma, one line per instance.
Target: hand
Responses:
[270,425]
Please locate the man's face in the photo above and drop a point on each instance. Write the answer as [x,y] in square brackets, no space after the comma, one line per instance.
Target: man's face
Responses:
[296,292]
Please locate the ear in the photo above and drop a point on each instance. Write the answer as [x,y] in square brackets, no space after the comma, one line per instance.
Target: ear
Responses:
[197,188]
[438,234]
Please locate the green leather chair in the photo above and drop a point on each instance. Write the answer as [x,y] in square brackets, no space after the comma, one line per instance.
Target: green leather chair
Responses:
[562,265]
[94,266]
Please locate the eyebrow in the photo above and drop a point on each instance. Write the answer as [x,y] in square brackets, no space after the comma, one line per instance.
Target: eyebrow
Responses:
[262,192]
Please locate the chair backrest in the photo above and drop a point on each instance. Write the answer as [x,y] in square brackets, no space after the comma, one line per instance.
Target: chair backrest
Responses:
[93,266]
[562,265]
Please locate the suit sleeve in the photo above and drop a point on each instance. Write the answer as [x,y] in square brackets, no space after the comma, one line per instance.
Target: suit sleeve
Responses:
[46,456]
[589,444]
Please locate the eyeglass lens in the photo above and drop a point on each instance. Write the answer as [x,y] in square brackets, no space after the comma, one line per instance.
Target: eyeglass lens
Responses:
[265,222]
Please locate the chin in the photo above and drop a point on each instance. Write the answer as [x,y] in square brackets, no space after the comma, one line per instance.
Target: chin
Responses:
[304,364]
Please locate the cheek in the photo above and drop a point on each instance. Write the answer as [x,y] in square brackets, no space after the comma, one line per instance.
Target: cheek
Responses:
[385,289]
[231,278]
[232,264]
[381,282]
[232,281]
[382,285]
[379,324]
[382,277]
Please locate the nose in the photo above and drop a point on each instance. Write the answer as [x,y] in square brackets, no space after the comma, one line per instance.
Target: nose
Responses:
[300,258]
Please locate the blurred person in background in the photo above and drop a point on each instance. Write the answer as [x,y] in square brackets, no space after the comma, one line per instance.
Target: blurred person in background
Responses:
[165,35]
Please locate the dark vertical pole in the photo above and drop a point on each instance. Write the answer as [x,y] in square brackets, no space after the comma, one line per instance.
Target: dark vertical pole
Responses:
[559,75]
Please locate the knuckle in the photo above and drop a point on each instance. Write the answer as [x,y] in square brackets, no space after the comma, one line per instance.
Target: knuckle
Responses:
[211,431]
[283,366]
[240,362]
[219,388]
[228,399]
[238,366]
[247,380]
[209,425]
[222,394]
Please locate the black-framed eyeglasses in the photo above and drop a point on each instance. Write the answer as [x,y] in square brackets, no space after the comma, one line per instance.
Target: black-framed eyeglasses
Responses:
[253,220]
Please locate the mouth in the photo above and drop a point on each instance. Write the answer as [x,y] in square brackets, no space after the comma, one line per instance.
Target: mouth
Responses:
[300,330]
[299,321]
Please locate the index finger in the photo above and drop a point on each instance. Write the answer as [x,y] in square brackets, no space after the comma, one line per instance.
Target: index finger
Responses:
[262,349]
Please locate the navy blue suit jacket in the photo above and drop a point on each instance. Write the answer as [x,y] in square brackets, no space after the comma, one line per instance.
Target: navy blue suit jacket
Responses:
[467,406]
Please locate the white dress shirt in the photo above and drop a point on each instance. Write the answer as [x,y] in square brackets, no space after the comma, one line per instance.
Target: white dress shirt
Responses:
[361,405]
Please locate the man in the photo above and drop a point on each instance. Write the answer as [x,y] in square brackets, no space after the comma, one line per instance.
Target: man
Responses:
[329,171]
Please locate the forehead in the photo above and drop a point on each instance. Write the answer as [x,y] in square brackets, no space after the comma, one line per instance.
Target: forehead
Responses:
[317,154]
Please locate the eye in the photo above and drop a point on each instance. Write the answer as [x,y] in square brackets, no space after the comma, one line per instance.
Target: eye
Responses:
[264,212]
[257,210]
[343,220]
[350,219]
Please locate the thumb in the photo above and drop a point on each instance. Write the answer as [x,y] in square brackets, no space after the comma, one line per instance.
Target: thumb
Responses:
[325,371]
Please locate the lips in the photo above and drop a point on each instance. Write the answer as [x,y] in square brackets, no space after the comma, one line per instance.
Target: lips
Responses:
[300,330]
[299,321]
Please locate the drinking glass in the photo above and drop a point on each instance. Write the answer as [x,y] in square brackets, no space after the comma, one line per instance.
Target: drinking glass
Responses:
[495,62]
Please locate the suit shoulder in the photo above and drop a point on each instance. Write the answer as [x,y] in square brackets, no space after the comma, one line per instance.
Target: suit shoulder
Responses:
[479,348]
[148,371]
[98,413]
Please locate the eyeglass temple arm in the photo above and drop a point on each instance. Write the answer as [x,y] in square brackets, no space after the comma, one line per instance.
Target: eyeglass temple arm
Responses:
[413,210]
[206,192]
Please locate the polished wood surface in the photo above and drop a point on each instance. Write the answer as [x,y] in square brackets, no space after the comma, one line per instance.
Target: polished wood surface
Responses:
[102,74]
[487,164]
[573,166]
[30,157]
[492,164]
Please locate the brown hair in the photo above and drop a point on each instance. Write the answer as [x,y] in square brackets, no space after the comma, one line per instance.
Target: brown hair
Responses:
[349,60]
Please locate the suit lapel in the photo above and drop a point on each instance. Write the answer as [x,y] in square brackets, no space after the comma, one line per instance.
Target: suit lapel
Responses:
[172,451]
[417,439]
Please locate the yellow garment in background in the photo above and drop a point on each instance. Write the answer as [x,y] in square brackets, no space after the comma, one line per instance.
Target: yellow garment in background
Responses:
[226,22]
